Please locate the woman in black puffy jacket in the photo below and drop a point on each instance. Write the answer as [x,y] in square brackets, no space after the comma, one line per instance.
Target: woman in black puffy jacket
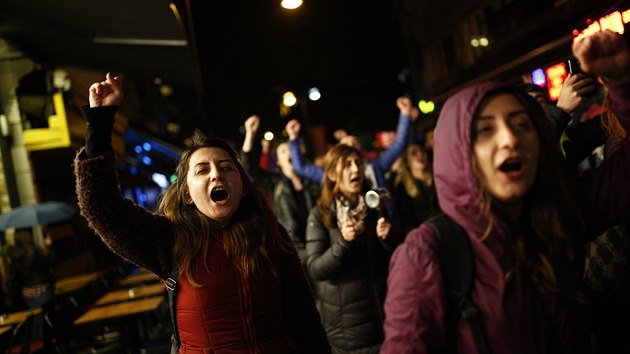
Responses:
[347,254]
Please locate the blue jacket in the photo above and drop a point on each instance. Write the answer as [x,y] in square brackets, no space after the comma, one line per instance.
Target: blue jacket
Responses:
[380,165]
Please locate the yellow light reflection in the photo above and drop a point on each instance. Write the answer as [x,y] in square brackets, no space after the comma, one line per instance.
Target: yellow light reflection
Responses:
[291,4]
[289,99]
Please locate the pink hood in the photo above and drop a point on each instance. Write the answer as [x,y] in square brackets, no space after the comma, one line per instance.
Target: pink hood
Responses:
[457,188]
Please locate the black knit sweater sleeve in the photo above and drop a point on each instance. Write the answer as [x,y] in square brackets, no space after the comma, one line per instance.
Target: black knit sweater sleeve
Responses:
[130,231]
[99,126]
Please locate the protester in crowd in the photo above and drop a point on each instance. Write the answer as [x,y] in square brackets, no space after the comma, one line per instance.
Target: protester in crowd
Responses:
[348,248]
[31,275]
[240,286]
[572,99]
[496,173]
[413,189]
[376,169]
[607,268]
[579,130]
[292,196]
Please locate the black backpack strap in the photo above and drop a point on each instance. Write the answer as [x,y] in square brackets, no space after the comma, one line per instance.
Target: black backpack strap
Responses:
[458,272]
[171,289]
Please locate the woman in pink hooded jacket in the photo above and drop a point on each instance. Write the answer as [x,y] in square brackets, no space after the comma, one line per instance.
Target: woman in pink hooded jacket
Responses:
[497,175]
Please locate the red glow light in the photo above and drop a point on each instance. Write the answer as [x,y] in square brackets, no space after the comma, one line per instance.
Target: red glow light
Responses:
[555,78]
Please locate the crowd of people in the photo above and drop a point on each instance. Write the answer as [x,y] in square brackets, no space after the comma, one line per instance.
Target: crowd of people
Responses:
[294,260]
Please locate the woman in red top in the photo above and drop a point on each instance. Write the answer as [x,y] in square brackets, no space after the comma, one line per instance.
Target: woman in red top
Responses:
[241,288]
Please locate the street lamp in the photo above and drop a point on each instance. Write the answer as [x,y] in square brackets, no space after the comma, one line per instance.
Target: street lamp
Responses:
[289,99]
[291,4]
[479,42]
[314,94]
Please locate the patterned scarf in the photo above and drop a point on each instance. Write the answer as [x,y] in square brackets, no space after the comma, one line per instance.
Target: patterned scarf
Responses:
[346,211]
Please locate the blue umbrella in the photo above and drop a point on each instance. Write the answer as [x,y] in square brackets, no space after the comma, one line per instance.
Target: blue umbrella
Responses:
[36,214]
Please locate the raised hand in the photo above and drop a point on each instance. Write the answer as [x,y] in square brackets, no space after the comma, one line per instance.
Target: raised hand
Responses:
[252,124]
[251,127]
[107,93]
[605,54]
[404,105]
[293,129]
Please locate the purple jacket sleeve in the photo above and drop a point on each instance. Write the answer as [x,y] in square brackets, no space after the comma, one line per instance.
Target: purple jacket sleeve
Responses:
[308,171]
[414,306]
[604,192]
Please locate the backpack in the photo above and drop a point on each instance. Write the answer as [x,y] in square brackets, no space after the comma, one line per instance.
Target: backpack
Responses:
[458,268]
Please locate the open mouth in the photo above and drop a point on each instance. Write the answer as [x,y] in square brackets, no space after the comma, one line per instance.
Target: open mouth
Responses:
[356,179]
[511,166]
[218,194]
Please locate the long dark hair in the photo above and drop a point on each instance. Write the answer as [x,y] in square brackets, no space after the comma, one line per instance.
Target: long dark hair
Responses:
[250,240]
[334,163]
[550,220]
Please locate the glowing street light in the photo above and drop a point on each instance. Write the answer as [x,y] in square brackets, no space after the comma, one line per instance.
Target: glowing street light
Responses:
[479,42]
[291,4]
[289,99]
[314,94]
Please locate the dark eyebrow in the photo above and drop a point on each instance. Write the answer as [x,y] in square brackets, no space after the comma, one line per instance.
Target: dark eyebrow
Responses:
[218,162]
[510,114]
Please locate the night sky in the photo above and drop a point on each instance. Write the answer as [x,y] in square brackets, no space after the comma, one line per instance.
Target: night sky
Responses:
[350,50]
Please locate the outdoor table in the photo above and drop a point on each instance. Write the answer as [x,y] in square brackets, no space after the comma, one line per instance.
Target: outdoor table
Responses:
[74,283]
[130,294]
[127,315]
[121,309]
[10,319]
[142,277]
[5,329]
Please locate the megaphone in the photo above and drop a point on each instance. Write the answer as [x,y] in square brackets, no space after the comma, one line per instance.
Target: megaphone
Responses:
[377,198]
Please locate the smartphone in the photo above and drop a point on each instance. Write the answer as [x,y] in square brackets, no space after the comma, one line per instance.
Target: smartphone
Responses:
[573,66]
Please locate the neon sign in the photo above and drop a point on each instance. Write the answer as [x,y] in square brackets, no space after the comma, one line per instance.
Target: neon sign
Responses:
[555,78]
[614,21]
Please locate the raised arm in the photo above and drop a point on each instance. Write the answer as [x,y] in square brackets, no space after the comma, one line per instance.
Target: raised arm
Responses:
[104,98]
[129,230]
[250,157]
[387,158]
[308,171]
[251,128]
[606,55]
[606,190]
